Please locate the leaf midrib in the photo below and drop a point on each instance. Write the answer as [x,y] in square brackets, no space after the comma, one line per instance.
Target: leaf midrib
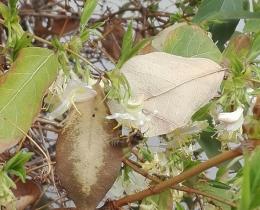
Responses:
[26,83]
[185,82]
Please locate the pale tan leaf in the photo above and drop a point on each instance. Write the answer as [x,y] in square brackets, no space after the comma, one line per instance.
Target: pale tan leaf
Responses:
[174,86]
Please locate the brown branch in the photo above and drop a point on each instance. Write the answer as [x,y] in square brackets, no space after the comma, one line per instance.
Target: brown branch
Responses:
[160,14]
[137,155]
[139,170]
[48,15]
[228,155]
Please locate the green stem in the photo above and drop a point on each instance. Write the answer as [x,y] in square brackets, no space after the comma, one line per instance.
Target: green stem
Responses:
[70,51]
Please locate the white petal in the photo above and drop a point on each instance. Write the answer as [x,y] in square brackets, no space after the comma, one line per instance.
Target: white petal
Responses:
[121,116]
[78,91]
[229,117]
[136,100]
[61,109]
[235,125]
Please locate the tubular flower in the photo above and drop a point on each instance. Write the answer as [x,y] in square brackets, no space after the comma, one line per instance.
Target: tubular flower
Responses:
[231,121]
[130,114]
[76,91]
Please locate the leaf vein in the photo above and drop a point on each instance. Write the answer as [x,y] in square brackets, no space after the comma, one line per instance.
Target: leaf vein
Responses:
[26,83]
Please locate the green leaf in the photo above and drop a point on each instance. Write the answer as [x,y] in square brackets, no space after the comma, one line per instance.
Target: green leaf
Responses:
[255,183]
[17,161]
[250,191]
[212,9]
[255,49]
[24,41]
[222,193]
[126,46]
[127,40]
[218,184]
[207,140]
[164,199]
[16,164]
[22,90]
[245,192]
[57,44]
[191,41]
[137,47]
[160,201]
[88,9]
[220,38]
[238,15]
[6,194]
[11,21]
[255,199]
[179,206]
[125,173]
[202,113]
[146,153]
[12,6]
[4,11]
[252,25]
[251,182]
[209,143]
[17,30]
[256,6]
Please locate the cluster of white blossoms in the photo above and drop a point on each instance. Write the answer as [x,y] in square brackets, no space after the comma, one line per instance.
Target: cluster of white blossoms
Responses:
[136,182]
[75,91]
[130,114]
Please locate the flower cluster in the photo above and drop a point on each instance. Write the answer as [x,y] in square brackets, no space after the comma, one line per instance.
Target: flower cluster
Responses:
[130,114]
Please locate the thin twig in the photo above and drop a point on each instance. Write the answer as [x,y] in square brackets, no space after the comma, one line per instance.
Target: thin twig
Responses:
[51,122]
[180,188]
[66,48]
[45,14]
[228,155]
[34,142]
[49,203]
[47,128]
[38,167]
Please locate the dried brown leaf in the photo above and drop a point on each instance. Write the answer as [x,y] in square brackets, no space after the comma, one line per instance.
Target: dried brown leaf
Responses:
[86,163]
[113,37]
[26,194]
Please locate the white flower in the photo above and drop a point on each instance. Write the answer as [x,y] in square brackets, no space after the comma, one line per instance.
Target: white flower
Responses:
[136,183]
[232,121]
[130,114]
[135,120]
[76,91]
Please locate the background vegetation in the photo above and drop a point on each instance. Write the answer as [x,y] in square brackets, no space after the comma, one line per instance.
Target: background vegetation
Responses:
[66,73]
